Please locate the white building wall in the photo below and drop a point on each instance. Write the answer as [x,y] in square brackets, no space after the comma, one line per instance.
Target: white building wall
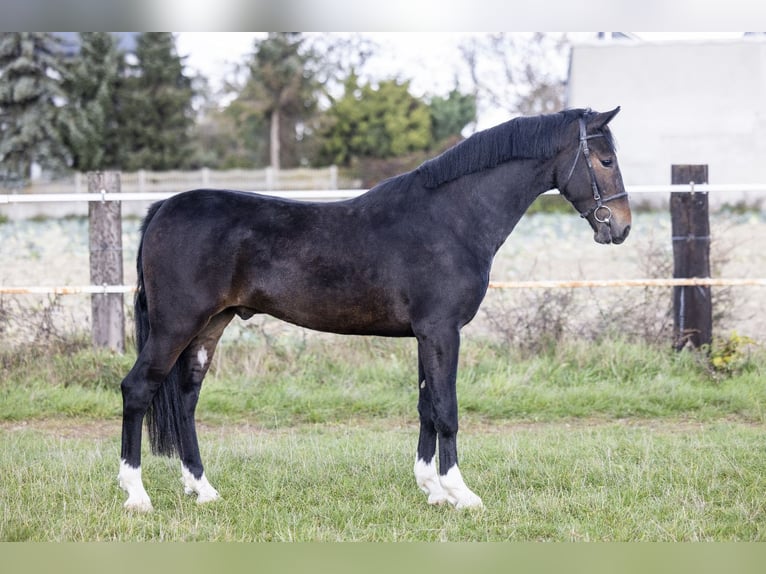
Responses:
[682,103]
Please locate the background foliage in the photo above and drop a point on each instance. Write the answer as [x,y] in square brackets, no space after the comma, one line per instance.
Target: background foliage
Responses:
[30,70]
[97,100]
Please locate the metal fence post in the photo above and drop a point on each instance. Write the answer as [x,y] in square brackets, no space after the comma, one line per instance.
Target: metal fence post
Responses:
[692,305]
[105,244]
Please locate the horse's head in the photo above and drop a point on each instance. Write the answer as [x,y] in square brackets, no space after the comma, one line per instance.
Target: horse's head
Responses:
[588,176]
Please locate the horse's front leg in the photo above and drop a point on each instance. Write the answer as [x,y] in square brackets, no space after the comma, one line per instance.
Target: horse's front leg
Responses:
[438,350]
[426,474]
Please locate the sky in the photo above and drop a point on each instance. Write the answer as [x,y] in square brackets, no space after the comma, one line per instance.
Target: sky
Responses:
[427,58]
[402,53]
[211,52]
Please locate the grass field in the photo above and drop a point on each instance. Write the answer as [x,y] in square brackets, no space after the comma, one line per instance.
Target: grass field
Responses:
[314,440]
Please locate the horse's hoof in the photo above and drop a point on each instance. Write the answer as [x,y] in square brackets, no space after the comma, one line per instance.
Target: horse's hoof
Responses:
[471,501]
[437,498]
[138,505]
[205,497]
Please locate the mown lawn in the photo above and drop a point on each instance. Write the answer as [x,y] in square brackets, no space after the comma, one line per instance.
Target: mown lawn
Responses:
[315,442]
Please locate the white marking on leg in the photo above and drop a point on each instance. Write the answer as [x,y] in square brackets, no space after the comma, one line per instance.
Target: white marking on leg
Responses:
[458,494]
[202,356]
[129,479]
[205,492]
[428,480]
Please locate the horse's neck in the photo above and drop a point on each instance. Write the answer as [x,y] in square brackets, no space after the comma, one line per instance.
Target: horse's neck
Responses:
[499,197]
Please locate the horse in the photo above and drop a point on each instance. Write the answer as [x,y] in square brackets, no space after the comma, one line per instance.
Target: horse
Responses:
[411,257]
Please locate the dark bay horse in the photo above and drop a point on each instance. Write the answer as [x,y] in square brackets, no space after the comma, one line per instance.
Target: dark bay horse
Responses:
[410,258]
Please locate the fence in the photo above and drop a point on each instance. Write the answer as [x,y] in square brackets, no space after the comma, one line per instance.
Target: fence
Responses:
[144,181]
[66,197]
[691,269]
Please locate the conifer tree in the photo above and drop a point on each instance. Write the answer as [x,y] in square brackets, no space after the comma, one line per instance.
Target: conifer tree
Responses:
[88,120]
[283,88]
[155,111]
[30,75]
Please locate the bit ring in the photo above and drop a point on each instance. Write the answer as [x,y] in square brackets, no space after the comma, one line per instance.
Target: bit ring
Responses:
[607,218]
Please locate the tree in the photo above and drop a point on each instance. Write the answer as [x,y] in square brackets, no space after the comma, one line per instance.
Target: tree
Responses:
[381,122]
[29,88]
[450,115]
[240,135]
[282,88]
[248,115]
[88,120]
[234,137]
[155,107]
[342,54]
[518,73]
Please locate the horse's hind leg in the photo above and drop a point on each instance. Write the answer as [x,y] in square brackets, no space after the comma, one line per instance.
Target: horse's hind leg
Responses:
[438,349]
[138,389]
[195,361]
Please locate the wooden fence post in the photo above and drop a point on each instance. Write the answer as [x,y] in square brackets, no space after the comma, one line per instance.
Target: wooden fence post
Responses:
[333,177]
[105,239]
[692,305]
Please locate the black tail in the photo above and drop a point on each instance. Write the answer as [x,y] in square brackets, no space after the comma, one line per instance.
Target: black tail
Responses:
[164,415]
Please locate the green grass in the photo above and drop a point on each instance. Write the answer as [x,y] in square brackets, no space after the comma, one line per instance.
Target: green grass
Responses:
[334,379]
[314,440]
[354,482]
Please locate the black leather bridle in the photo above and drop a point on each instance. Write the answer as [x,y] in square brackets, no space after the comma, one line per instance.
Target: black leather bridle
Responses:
[600,212]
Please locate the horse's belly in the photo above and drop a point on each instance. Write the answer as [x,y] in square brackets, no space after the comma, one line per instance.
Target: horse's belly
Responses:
[344,313]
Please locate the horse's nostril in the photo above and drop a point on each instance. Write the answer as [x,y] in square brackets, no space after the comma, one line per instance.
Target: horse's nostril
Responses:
[617,239]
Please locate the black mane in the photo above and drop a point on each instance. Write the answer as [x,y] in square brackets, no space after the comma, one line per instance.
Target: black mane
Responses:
[519,138]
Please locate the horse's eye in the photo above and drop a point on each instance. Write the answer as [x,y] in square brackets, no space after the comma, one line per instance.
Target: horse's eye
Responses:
[607,162]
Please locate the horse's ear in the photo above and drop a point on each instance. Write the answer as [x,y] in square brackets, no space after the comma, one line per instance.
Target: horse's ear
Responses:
[599,120]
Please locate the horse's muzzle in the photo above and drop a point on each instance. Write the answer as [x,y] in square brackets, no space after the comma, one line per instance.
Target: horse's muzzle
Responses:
[611,233]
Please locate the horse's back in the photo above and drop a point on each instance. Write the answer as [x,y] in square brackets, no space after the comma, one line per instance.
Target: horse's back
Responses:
[319,265]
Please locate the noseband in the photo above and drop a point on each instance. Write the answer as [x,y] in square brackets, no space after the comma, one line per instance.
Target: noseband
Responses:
[600,212]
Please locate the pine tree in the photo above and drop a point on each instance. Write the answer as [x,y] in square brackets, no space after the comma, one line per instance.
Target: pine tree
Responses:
[88,120]
[155,107]
[30,65]
[283,88]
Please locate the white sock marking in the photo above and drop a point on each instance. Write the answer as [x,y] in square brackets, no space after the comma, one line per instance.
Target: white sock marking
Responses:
[202,356]
[458,494]
[428,480]
[205,492]
[130,480]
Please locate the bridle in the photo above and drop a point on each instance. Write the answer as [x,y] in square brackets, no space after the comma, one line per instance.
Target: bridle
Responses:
[600,212]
